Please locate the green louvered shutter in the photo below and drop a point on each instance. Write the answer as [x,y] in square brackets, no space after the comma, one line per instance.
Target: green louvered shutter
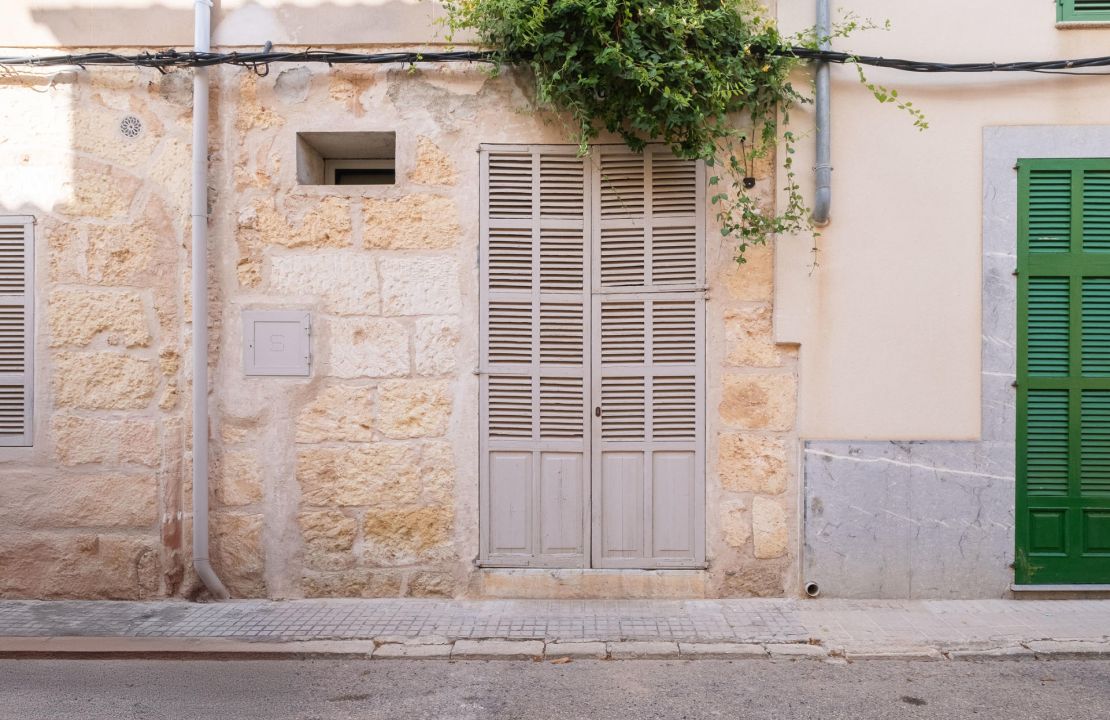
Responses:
[1083,10]
[1063,459]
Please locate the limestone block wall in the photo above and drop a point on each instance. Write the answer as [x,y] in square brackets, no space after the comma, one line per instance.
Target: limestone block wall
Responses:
[361,479]
[94,509]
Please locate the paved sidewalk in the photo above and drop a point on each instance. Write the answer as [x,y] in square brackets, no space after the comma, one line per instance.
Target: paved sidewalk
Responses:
[446,628]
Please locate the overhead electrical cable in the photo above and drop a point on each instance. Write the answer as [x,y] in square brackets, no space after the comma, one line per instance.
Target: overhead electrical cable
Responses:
[260,61]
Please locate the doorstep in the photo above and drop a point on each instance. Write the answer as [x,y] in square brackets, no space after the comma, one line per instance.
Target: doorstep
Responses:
[581,584]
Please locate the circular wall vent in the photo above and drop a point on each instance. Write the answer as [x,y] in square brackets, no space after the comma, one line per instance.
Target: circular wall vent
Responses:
[131,126]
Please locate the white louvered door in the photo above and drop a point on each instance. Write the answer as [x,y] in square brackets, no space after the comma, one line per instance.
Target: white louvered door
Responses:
[647,362]
[535,326]
[16,322]
[592,387]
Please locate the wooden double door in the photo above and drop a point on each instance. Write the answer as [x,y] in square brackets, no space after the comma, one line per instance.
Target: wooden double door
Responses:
[592,358]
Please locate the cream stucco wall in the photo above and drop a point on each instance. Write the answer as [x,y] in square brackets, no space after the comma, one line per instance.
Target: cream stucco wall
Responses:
[889,323]
[141,23]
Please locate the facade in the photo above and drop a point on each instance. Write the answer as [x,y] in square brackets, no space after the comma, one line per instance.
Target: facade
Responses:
[450,358]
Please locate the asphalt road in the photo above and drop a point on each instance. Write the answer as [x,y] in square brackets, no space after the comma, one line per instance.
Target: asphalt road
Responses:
[622,690]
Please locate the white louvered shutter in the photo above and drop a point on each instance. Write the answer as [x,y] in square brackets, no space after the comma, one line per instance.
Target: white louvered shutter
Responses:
[534,388]
[647,365]
[16,323]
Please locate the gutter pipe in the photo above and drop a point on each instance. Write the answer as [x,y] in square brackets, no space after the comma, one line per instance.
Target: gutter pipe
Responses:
[822,202]
[202,32]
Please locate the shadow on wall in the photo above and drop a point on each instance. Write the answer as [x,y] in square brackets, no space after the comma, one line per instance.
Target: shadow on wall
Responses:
[237,23]
[100,158]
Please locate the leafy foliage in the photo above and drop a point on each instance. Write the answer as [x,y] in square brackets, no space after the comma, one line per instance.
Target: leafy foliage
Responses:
[681,72]
[678,72]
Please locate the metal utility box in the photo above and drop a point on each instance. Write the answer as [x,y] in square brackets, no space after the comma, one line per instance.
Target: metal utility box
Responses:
[277,342]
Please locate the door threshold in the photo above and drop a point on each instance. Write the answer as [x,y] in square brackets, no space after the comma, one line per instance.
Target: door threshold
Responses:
[567,584]
[1100,588]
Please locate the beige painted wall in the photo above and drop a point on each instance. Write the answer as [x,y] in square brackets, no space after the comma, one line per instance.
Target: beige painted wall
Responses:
[889,322]
[143,23]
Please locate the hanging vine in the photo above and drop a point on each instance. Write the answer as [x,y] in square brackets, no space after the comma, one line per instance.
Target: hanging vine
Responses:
[677,72]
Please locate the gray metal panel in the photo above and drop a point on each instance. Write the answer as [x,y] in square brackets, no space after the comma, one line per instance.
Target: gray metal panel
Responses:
[17,324]
[277,342]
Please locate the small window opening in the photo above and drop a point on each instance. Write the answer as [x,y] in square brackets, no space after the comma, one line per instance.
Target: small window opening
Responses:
[347,158]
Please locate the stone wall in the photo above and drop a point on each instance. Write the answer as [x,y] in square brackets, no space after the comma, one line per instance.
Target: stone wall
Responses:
[94,509]
[360,480]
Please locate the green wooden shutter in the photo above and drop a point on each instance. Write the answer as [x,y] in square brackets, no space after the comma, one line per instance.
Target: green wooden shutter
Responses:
[1063,439]
[1083,10]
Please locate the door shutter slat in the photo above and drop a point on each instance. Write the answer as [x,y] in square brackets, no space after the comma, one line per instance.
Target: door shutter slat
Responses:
[1094,443]
[1049,312]
[622,184]
[1050,200]
[510,185]
[510,259]
[674,182]
[562,184]
[561,333]
[674,255]
[1047,446]
[622,256]
[1096,211]
[509,403]
[1096,327]
[562,260]
[562,408]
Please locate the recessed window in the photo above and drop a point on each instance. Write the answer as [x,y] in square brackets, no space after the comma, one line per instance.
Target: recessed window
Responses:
[1078,11]
[347,158]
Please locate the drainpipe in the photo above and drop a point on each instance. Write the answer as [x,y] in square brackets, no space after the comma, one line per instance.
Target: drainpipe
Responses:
[822,202]
[201,43]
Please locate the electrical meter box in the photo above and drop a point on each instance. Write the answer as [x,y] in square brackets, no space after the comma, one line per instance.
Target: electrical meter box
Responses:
[277,342]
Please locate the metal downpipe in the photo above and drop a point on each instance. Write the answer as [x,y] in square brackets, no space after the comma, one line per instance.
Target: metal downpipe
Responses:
[822,202]
[199,215]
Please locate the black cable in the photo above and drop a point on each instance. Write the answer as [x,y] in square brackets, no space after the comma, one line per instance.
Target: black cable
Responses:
[173,58]
[927,67]
[260,61]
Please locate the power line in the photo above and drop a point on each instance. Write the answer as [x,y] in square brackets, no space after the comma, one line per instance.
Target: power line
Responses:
[260,61]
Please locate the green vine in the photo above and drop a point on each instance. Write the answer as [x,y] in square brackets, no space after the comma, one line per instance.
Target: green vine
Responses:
[680,72]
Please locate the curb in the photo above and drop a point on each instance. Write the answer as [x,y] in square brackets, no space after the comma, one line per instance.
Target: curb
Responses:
[493,649]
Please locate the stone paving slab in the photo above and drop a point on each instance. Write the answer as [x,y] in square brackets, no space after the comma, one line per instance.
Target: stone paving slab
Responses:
[497,650]
[639,650]
[675,629]
[722,651]
[398,651]
[576,650]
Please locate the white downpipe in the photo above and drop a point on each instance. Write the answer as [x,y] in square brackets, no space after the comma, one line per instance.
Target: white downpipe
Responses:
[201,43]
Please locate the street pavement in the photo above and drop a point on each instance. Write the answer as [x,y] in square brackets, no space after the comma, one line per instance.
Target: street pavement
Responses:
[838,627]
[633,689]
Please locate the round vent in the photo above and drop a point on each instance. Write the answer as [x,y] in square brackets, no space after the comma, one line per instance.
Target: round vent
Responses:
[131,126]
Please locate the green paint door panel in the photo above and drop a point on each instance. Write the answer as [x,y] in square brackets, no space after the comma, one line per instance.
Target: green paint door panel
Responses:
[1063,438]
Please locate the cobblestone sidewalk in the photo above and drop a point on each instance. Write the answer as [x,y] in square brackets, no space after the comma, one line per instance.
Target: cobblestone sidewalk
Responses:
[828,626]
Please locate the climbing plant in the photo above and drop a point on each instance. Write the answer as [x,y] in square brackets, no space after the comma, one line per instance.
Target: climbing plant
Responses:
[681,72]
